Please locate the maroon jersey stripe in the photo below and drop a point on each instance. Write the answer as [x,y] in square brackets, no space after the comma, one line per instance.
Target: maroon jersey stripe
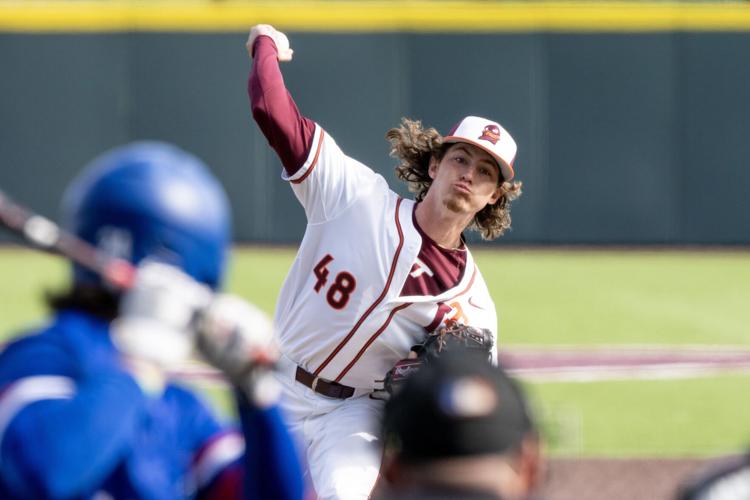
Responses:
[378,300]
[315,160]
[468,287]
[443,309]
[371,340]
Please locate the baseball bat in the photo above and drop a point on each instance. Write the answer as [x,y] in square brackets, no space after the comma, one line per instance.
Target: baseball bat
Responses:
[40,232]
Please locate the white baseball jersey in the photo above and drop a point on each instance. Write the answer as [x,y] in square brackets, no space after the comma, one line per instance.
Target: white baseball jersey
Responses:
[340,314]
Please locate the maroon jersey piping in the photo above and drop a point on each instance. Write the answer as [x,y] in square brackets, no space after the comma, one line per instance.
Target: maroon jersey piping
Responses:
[315,160]
[377,301]
[371,340]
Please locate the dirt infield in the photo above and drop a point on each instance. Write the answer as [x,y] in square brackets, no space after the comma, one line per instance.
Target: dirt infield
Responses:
[617,479]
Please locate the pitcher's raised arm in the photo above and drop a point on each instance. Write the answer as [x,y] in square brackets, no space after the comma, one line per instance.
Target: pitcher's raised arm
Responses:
[288,132]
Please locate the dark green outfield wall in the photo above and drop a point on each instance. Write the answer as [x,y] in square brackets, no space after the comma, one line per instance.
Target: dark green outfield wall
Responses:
[623,138]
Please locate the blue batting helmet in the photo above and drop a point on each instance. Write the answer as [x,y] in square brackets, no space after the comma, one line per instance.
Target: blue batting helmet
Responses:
[151,199]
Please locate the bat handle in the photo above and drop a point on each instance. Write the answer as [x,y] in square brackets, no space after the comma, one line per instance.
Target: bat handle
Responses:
[42,233]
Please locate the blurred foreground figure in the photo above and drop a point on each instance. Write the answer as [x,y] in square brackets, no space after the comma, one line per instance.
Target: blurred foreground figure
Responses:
[727,480]
[86,409]
[459,429]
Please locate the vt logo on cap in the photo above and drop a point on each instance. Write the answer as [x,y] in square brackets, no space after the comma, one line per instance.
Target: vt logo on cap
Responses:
[490,136]
[491,133]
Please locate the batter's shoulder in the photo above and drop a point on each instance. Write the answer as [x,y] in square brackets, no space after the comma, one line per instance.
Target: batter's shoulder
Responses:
[34,352]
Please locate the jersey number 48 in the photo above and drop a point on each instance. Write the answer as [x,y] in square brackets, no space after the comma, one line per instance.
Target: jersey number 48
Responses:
[342,287]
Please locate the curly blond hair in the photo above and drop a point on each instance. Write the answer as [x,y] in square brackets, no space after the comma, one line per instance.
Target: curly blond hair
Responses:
[414,146]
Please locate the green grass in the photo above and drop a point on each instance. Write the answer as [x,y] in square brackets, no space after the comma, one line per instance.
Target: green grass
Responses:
[583,297]
[554,297]
[543,297]
[620,297]
[686,417]
[257,274]
[25,277]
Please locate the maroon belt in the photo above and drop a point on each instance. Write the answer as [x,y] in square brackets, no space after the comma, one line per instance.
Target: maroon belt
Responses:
[324,387]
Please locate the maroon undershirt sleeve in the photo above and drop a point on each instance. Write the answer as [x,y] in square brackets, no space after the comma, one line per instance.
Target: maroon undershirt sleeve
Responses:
[288,133]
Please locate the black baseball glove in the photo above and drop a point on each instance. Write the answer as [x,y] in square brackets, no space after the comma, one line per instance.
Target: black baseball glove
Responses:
[456,337]
[453,337]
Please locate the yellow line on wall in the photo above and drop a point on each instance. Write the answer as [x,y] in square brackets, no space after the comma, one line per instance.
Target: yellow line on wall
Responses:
[34,16]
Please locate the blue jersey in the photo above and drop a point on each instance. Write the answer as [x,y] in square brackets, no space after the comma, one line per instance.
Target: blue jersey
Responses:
[75,424]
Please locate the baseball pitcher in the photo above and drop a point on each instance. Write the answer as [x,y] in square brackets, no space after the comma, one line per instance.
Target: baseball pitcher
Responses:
[375,273]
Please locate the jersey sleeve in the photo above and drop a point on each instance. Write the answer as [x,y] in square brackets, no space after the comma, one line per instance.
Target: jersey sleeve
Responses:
[272,465]
[216,450]
[324,180]
[61,431]
[288,132]
[259,462]
[329,182]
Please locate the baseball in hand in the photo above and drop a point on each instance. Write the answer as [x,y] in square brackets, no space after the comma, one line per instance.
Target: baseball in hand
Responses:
[284,52]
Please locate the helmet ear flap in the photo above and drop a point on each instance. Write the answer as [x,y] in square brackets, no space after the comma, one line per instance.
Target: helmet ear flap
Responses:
[151,200]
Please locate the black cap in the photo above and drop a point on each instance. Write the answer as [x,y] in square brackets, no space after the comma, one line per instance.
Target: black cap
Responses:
[456,406]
